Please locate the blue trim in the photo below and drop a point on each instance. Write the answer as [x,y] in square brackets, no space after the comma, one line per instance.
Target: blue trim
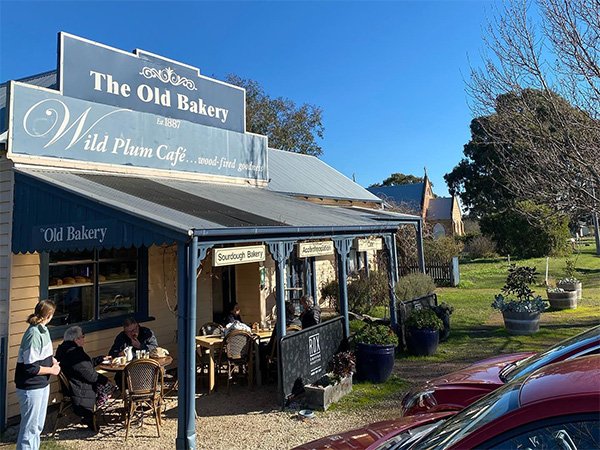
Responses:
[37,203]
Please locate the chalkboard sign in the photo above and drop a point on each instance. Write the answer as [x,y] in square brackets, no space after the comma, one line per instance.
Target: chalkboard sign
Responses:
[307,353]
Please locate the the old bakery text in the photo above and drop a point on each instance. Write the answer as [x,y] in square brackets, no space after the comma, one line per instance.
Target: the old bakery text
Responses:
[104,82]
[70,233]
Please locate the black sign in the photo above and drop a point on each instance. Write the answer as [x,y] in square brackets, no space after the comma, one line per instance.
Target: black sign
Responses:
[307,353]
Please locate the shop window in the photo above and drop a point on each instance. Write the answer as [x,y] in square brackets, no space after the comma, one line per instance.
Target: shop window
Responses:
[94,286]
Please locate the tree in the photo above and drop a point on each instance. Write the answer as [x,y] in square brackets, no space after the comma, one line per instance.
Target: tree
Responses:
[397,179]
[521,228]
[557,60]
[288,127]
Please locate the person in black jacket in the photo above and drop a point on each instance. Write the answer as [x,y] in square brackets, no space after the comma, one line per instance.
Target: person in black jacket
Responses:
[140,338]
[79,370]
[311,314]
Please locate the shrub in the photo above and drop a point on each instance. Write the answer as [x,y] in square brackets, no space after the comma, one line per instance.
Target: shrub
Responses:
[342,364]
[480,247]
[414,285]
[366,291]
[443,248]
[376,335]
[330,293]
[424,319]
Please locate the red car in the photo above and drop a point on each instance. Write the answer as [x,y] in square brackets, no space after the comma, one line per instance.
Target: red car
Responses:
[556,407]
[459,389]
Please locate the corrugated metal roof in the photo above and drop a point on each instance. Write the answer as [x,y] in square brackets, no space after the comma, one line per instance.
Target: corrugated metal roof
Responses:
[46,79]
[440,208]
[410,194]
[305,175]
[179,206]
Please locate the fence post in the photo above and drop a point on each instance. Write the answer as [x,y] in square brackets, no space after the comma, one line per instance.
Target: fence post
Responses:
[455,272]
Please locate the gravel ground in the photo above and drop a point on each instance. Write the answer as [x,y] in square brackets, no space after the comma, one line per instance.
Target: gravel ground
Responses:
[242,419]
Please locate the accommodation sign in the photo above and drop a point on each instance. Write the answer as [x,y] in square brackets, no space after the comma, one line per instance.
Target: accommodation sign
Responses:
[47,124]
[238,255]
[370,243]
[319,248]
[145,82]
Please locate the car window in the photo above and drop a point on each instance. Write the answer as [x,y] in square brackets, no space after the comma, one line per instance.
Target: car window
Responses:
[557,352]
[576,435]
[472,418]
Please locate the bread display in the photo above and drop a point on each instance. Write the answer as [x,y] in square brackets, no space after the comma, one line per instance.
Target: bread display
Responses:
[101,278]
[54,281]
[82,280]
[68,280]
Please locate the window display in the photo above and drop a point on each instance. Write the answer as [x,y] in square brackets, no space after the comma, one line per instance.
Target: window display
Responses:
[92,285]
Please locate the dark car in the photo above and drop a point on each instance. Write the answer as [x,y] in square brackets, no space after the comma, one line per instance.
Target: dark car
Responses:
[556,407]
[461,388]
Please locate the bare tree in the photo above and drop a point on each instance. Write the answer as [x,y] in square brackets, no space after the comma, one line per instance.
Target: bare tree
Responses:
[548,135]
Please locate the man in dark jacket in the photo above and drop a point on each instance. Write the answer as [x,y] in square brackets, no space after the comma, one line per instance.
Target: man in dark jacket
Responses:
[140,338]
[311,314]
[79,370]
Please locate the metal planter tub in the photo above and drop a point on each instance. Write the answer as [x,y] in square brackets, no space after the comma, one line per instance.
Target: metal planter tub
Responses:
[521,322]
[563,300]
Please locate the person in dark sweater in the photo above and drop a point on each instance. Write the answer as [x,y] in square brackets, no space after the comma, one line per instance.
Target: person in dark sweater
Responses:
[312,313]
[234,314]
[140,338]
[35,364]
[79,370]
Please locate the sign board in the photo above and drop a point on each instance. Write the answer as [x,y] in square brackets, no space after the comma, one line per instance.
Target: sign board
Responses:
[238,255]
[370,243]
[45,123]
[80,235]
[142,81]
[307,353]
[318,248]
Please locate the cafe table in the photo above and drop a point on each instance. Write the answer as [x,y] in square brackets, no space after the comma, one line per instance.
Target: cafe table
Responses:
[109,367]
[214,343]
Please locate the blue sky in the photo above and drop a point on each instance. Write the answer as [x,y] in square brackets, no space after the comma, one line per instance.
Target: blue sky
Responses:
[389,76]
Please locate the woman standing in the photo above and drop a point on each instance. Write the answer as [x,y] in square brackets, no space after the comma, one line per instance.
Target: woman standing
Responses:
[35,364]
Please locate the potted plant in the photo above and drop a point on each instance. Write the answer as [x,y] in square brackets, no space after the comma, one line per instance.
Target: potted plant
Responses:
[560,298]
[336,383]
[444,311]
[375,352]
[570,283]
[423,326]
[520,308]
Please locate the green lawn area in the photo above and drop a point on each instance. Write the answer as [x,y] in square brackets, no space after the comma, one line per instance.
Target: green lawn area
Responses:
[477,330]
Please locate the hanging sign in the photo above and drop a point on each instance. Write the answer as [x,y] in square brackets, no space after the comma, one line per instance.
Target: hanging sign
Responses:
[320,248]
[143,81]
[238,255]
[370,243]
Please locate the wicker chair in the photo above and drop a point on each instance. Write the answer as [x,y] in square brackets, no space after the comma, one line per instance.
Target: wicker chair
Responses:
[210,328]
[144,380]
[202,355]
[237,353]
[66,402]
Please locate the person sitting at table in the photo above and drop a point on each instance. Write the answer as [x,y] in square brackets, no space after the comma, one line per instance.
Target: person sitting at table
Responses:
[234,314]
[133,335]
[312,313]
[88,386]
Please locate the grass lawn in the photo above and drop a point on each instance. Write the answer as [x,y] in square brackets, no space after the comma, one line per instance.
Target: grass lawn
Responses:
[477,330]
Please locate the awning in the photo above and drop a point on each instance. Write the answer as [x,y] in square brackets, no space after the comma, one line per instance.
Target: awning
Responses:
[60,209]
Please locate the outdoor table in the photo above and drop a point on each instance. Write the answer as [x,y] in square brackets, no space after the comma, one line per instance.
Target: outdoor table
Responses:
[214,343]
[167,360]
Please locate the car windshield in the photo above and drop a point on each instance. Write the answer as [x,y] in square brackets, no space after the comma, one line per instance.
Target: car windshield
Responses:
[470,419]
[534,362]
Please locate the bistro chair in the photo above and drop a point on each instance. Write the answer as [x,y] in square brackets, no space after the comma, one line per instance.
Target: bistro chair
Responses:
[144,379]
[66,403]
[211,328]
[236,353]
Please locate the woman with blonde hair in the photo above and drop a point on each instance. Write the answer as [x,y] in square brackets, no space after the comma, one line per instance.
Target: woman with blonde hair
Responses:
[35,364]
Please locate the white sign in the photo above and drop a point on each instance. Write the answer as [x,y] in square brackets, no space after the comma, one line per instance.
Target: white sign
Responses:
[370,243]
[238,255]
[320,248]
